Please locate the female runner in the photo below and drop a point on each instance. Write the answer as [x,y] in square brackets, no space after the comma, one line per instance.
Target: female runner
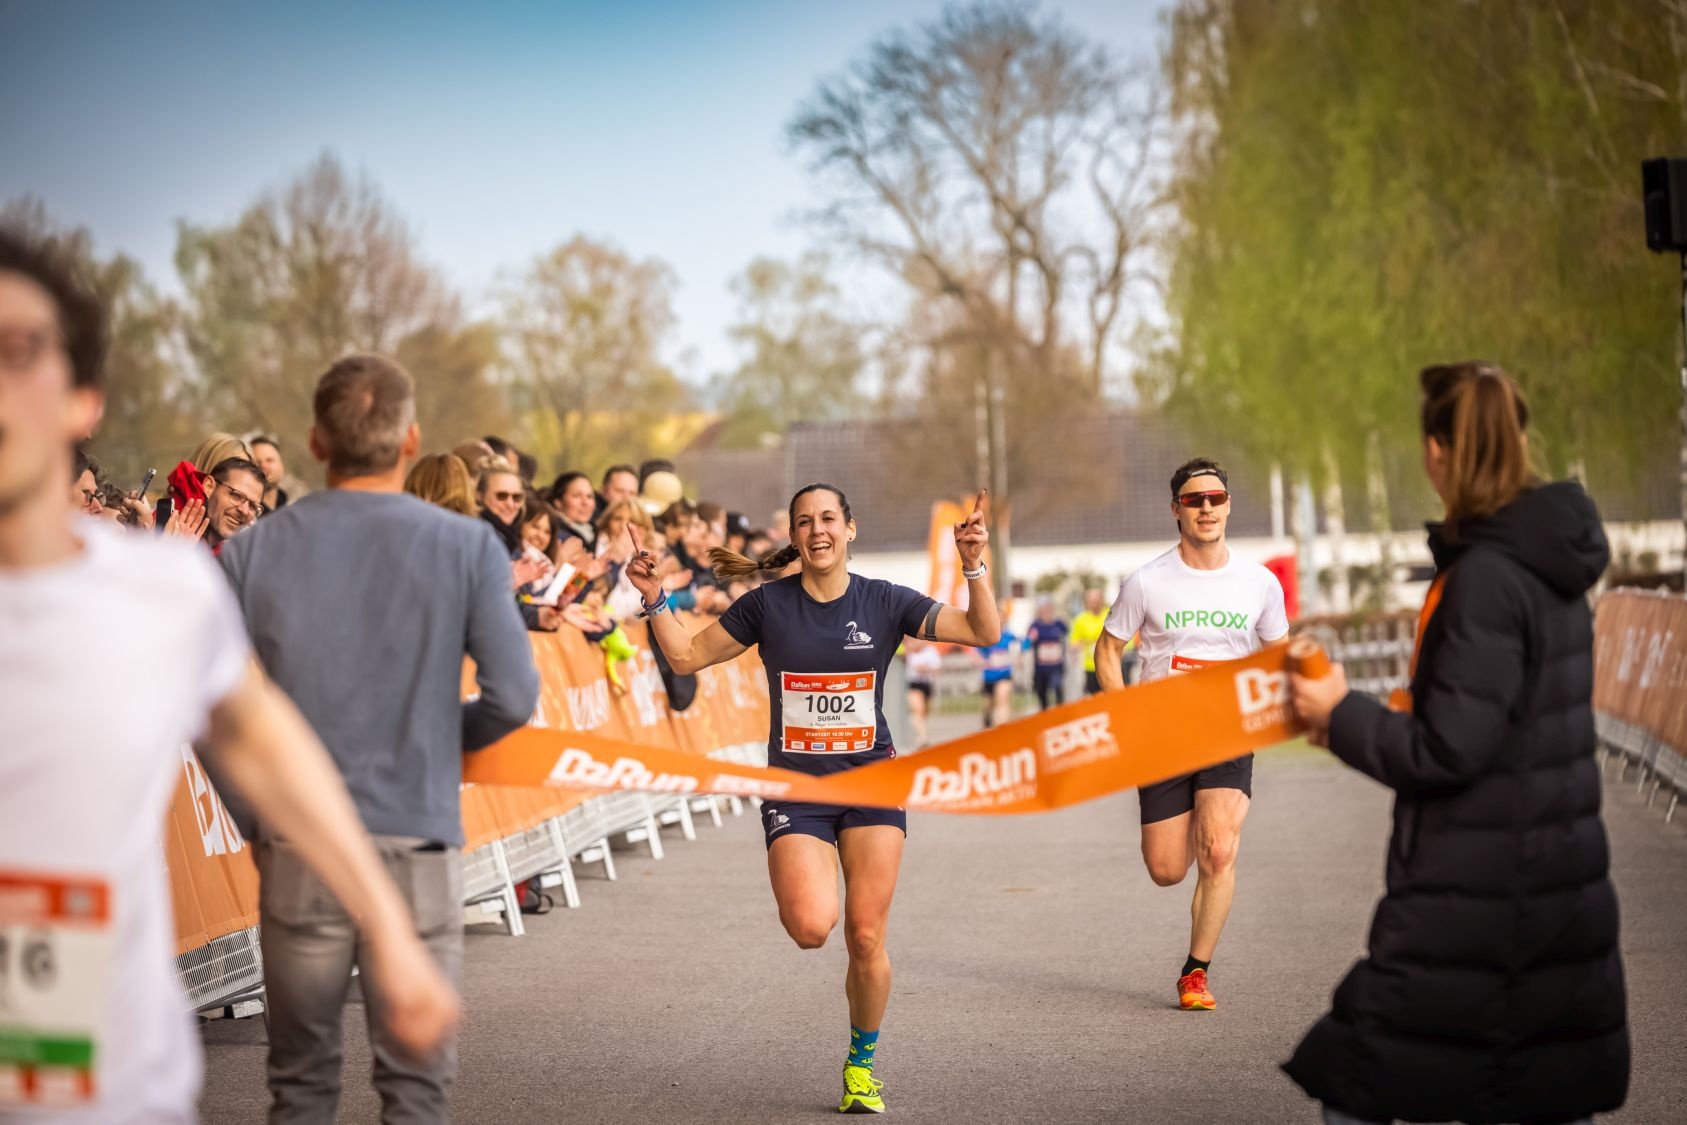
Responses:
[827,638]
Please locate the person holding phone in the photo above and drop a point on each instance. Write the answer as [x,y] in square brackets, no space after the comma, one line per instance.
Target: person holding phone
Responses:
[827,638]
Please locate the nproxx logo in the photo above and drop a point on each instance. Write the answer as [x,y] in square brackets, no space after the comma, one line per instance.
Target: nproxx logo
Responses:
[1207,618]
[1263,697]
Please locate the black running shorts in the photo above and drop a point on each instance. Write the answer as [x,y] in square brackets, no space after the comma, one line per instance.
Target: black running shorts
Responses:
[824,822]
[1166,799]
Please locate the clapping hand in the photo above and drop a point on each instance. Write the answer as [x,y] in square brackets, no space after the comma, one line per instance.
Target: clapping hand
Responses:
[527,570]
[189,521]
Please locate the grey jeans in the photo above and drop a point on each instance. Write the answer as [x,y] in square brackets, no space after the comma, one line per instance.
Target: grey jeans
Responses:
[310,945]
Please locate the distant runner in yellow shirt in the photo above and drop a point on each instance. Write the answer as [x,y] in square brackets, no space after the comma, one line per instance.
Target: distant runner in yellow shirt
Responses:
[1086,630]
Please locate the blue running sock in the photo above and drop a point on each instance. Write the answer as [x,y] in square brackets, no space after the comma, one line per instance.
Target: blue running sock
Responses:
[861,1046]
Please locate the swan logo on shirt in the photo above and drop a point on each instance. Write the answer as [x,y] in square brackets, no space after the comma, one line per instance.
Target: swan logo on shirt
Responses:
[855,638]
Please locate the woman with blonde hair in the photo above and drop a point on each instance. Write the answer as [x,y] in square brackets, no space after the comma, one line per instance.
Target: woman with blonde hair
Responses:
[1493,989]
[616,548]
[443,479]
[187,484]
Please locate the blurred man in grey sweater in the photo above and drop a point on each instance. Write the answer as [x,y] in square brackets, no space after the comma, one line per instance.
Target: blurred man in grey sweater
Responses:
[362,602]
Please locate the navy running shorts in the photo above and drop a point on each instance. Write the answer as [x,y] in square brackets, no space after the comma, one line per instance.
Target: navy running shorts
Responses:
[1176,796]
[801,818]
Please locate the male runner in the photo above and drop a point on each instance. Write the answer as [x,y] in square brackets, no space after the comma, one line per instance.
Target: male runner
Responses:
[1192,606]
[94,1027]
[1086,630]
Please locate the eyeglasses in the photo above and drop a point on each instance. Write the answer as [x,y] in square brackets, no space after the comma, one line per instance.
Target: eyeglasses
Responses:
[506,497]
[243,500]
[21,348]
[91,498]
[1218,497]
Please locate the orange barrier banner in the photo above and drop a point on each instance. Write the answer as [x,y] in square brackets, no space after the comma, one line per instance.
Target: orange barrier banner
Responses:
[213,881]
[1060,757]
[1640,662]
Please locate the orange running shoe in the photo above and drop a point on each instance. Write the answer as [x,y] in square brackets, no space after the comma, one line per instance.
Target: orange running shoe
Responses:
[1193,994]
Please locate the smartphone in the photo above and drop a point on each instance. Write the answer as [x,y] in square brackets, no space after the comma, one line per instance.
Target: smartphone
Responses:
[146,483]
[558,583]
[576,586]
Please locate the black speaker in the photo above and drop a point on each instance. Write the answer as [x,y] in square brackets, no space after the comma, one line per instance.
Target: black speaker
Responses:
[1664,183]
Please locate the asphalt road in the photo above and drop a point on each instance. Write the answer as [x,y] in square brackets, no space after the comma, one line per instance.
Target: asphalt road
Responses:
[1035,966]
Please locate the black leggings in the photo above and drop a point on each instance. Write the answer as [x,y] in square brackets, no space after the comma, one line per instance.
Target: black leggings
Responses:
[1050,682]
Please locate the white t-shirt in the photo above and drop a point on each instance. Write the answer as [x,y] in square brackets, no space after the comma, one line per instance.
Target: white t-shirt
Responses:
[109,662]
[924,663]
[1190,617]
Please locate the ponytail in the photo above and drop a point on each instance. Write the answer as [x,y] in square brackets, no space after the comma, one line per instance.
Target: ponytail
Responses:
[1479,415]
[730,566]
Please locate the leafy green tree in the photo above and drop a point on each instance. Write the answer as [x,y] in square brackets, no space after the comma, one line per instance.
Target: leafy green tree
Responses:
[583,328]
[323,267]
[151,414]
[1365,189]
[803,359]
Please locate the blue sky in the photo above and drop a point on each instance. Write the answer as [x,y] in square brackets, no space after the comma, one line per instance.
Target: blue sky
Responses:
[497,129]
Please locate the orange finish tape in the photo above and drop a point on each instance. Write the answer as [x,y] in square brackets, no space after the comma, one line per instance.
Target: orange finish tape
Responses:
[1060,757]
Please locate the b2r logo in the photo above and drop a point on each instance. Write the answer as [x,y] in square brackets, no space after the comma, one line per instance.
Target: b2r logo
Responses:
[1263,697]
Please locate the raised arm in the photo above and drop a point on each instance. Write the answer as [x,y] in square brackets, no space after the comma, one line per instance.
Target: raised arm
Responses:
[979,625]
[687,652]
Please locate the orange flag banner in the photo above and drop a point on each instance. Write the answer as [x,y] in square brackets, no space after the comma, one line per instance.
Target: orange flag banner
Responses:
[1059,757]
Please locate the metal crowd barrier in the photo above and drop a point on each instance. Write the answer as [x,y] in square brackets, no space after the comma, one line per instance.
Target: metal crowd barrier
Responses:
[1657,764]
[227,974]
[1375,648]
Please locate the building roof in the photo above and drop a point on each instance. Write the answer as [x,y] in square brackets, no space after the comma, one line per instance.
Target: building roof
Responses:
[1101,478]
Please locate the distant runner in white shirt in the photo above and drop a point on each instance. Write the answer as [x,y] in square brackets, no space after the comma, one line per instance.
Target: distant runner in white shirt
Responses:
[94,1026]
[1195,605]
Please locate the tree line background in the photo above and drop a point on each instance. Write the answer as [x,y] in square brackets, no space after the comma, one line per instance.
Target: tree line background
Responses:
[1263,231]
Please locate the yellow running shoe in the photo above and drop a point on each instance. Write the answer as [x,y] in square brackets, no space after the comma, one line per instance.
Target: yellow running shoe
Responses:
[862,1092]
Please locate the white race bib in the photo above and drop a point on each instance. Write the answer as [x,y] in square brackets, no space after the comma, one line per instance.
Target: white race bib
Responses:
[57,950]
[1051,652]
[828,712]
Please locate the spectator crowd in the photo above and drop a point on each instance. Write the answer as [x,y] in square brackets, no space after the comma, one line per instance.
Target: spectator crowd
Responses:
[568,541]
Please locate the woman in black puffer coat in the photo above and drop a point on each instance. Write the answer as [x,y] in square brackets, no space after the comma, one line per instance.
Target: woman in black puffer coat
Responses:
[1493,989]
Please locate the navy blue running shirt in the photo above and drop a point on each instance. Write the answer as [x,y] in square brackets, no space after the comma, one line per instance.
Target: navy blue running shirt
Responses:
[826,664]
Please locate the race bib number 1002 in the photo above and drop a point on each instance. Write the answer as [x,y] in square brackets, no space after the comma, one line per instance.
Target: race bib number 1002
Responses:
[56,954]
[828,713]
